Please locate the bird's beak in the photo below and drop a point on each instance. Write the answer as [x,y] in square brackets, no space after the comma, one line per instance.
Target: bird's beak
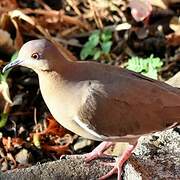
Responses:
[11,64]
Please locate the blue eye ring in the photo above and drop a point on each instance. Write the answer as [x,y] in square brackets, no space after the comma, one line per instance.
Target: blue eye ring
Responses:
[35,56]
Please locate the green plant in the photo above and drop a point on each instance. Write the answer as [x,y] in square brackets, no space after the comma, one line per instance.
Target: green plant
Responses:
[148,66]
[4,89]
[99,43]
[3,120]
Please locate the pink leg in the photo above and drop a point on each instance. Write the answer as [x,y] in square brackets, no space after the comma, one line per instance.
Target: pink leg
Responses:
[98,151]
[117,166]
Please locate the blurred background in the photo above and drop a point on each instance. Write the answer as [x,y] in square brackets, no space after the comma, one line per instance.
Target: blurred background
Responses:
[141,35]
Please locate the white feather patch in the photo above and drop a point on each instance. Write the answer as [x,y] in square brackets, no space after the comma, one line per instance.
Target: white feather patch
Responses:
[86,128]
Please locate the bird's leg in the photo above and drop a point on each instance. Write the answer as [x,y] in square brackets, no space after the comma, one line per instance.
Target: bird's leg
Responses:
[98,151]
[117,166]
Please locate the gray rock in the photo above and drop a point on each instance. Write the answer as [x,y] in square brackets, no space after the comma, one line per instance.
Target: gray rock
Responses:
[152,159]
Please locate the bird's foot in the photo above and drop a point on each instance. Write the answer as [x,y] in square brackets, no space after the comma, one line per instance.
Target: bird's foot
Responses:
[117,166]
[98,151]
[115,170]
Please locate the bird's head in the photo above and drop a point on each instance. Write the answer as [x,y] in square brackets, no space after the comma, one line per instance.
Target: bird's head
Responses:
[39,55]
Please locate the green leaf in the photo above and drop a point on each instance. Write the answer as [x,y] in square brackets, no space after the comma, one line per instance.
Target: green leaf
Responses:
[97,54]
[4,85]
[106,46]
[137,64]
[106,35]
[85,52]
[3,120]
[3,77]
[94,39]
[90,45]
[152,73]
[148,66]
[14,56]
[36,140]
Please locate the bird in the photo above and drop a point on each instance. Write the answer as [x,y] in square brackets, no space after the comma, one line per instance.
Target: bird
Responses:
[98,101]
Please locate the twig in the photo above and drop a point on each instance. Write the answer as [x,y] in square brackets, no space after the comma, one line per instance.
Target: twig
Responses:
[73,4]
[60,14]
[96,15]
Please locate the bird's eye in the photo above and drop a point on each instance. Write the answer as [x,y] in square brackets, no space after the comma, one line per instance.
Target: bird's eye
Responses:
[35,56]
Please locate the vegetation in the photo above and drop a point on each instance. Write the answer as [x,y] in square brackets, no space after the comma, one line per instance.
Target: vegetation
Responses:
[146,66]
[99,43]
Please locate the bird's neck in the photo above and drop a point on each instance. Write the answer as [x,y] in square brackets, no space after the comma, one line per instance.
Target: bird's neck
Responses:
[50,77]
[61,65]
[57,91]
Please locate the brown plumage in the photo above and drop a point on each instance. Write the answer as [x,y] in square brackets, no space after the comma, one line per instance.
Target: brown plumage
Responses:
[98,101]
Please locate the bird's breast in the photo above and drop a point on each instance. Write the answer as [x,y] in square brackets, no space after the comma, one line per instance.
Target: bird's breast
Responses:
[64,104]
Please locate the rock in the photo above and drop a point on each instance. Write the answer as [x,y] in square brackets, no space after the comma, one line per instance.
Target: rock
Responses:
[154,158]
[4,165]
[82,143]
[22,157]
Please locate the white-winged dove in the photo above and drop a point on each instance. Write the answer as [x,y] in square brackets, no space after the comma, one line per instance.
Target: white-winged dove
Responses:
[98,101]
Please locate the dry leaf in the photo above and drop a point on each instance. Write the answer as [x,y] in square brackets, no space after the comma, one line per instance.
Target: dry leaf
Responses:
[57,148]
[21,15]
[61,149]
[175,25]
[123,26]
[18,40]
[7,5]
[174,81]
[18,14]
[160,3]
[54,128]
[6,43]
[173,39]
[10,143]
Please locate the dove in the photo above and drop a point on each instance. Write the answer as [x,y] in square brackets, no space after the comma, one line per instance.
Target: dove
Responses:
[98,101]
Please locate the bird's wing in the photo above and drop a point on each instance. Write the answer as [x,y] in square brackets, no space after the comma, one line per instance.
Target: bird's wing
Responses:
[130,106]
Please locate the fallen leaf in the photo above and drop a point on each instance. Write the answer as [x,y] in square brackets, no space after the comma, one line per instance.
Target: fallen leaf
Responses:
[19,14]
[57,148]
[60,148]
[7,5]
[54,128]
[6,42]
[123,26]
[18,39]
[173,39]
[10,143]
[160,3]
[175,25]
